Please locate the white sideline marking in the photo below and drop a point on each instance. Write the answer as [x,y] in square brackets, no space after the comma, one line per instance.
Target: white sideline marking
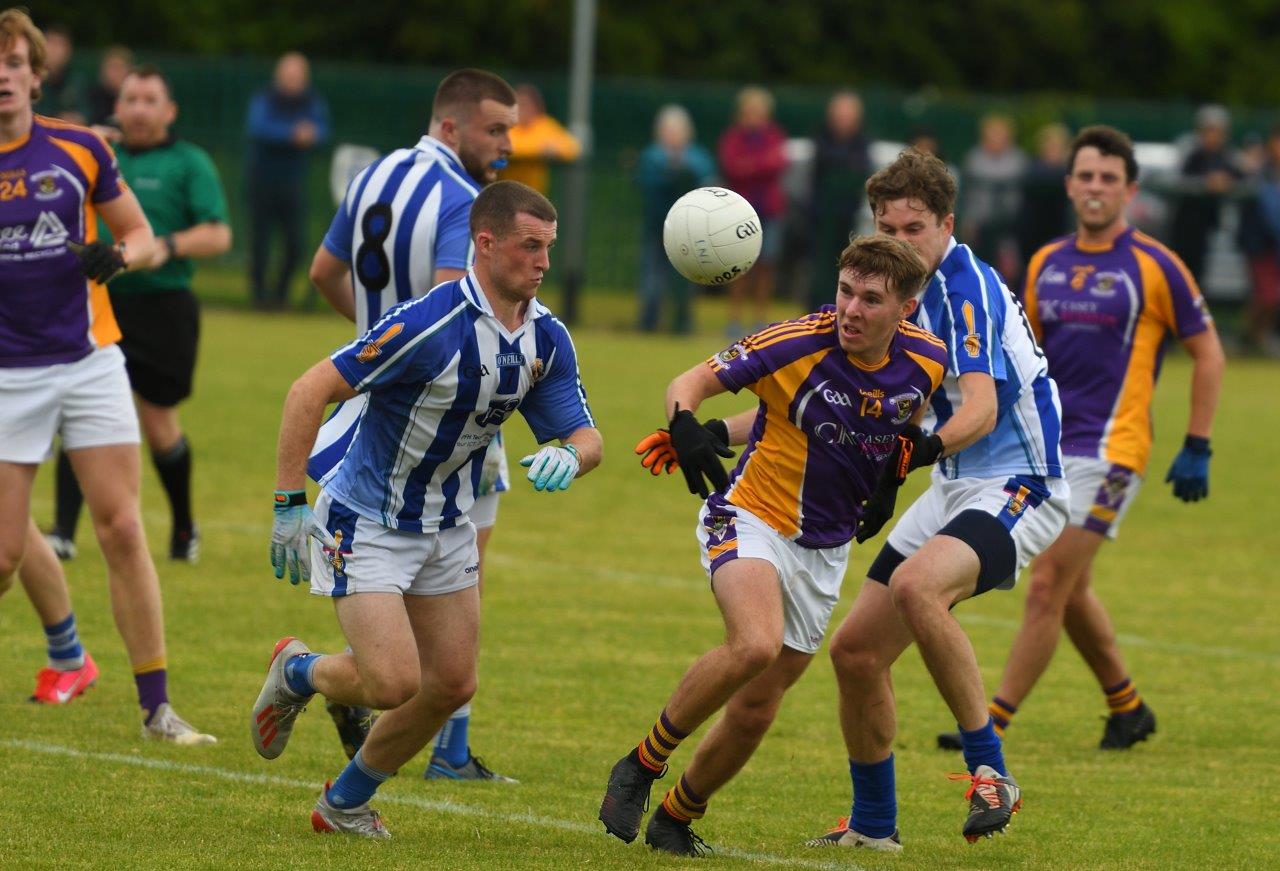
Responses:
[437,805]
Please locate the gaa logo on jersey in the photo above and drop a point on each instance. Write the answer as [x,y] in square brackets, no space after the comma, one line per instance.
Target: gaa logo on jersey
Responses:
[46,185]
[372,350]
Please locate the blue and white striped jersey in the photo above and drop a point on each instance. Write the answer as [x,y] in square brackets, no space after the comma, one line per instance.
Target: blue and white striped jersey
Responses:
[442,374]
[969,307]
[404,216]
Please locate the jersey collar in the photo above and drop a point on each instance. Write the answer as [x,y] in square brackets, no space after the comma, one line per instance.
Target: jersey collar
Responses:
[471,290]
[1115,243]
[933,279]
[430,143]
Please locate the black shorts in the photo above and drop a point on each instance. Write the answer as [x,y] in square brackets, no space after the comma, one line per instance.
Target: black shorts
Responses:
[161,331]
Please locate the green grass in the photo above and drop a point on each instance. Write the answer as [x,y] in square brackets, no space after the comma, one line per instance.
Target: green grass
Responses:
[594,606]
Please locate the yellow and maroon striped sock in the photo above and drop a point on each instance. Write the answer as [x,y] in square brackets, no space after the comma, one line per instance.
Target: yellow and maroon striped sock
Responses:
[1001,713]
[660,743]
[1123,697]
[683,803]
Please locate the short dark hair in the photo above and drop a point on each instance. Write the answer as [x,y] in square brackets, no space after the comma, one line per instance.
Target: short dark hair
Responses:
[496,208]
[151,71]
[896,261]
[1110,142]
[462,91]
[915,175]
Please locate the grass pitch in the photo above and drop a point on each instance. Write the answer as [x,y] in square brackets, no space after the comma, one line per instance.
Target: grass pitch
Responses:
[594,606]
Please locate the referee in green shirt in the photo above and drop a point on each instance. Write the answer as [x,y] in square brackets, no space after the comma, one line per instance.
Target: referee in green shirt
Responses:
[182,196]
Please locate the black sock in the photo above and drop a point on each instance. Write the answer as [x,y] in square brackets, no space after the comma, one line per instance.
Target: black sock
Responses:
[174,468]
[68,499]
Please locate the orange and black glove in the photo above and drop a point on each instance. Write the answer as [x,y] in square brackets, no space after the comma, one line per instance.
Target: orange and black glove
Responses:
[658,456]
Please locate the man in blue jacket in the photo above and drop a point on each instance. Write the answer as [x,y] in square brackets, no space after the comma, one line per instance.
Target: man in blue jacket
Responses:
[287,121]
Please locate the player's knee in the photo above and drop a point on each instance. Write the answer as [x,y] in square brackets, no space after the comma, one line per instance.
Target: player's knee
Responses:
[1045,595]
[856,661]
[458,693]
[754,654]
[391,688]
[120,531]
[911,592]
[751,720]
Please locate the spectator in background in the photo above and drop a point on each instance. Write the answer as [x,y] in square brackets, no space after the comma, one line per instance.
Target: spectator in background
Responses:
[671,166]
[61,91]
[1259,240]
[536,141]
[1045,213]
[287,121]
[1209,172]
[992,172]
[181,195]
[752,160]
[841,164]
[115,65]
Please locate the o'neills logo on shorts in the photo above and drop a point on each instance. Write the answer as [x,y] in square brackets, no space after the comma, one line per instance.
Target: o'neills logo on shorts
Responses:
[372,350]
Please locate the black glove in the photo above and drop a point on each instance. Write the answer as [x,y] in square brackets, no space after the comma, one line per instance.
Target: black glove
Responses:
[878,507]
[696,451]
[915,448]
[99,261]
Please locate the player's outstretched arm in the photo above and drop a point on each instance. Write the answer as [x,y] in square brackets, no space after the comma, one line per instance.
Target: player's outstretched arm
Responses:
[293,523]
[697,450]
[1189,472]
[658,455]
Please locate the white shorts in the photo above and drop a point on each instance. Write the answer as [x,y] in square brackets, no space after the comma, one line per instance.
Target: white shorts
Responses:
[810,578]
[1101,493]
[372,558]
[1030,511]
[87,402]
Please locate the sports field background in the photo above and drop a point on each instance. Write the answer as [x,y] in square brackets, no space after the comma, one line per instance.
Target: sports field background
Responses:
[594,606]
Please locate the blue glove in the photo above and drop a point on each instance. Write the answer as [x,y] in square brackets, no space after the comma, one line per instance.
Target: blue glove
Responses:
[294,524]
[552,468]
[1189,472]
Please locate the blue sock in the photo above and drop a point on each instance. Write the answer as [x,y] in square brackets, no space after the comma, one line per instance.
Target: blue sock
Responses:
[63,643]
[356,784]
[297,673]
[451,743]
[875,799]
[982,747]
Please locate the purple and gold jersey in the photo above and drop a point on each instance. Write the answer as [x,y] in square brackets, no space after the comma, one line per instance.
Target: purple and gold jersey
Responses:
[50,183]
[1102,315]
[825,424]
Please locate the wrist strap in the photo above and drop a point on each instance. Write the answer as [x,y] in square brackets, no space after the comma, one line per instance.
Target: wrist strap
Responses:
[1196,444]
[170,244]
[289,498]
[571,449]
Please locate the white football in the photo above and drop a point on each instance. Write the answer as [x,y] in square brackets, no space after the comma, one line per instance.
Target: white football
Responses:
[712,235]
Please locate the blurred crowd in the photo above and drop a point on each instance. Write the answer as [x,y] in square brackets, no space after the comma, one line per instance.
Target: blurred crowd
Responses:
[1216,203]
